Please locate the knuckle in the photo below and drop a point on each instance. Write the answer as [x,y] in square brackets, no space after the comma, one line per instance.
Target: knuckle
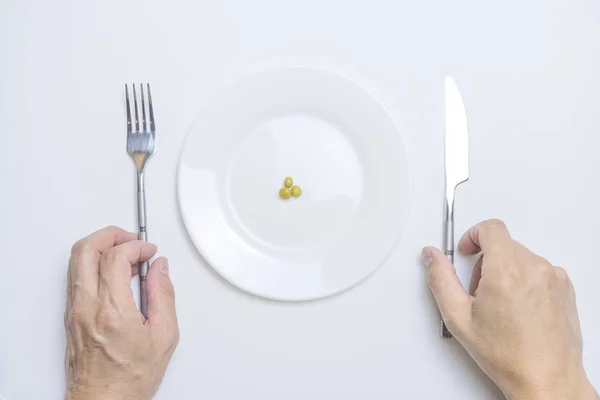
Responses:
[113,230]
[512,275]
[561,273]
[547,272]
[79,247]
[544,265]
[542,262]
[493,224]
[109,256]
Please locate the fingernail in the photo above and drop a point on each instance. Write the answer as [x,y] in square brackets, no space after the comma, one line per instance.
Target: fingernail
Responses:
[164,267]
[427,256]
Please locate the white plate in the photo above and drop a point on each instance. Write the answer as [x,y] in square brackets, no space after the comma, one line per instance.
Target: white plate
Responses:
[336,141]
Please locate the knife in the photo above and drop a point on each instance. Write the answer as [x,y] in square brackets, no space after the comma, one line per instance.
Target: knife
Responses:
[457,164]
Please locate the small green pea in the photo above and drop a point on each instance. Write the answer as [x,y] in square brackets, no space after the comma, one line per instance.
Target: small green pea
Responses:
[296,191]
[285,193]
[288,182]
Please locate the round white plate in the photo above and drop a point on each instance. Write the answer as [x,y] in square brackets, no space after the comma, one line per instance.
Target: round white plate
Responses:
[336,141]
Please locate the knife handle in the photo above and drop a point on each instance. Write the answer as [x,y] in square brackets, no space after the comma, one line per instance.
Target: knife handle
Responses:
[448,247]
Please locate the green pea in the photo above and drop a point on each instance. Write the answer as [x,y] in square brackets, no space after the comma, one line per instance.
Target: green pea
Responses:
[288,182]
[296,191]
[285,193]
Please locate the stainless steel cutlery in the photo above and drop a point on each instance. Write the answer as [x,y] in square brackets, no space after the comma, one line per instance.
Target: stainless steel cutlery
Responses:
[141,145]
[457,164]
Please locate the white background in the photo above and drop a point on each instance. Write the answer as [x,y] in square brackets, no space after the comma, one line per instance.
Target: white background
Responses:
[529,72]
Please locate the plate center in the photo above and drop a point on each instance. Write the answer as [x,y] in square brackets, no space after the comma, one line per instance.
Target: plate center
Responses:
[318,154]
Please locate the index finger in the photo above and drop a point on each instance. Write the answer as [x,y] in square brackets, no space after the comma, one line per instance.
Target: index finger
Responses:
[104,239]
[116,264]
[484,236]
[85,257]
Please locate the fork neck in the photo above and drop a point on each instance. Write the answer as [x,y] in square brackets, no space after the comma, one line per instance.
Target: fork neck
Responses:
[140,180]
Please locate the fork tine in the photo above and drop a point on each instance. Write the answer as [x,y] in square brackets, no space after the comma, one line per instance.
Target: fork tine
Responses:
[143,108]
[150,110]
[137,120]
[128,109]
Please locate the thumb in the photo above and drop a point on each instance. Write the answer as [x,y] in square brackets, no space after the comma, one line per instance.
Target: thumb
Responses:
[452,299]
[161,301]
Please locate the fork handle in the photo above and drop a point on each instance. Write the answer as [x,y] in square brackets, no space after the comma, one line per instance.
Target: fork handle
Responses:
[142,235]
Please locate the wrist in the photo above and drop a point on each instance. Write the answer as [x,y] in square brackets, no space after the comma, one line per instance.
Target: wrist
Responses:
[580,389]
[100,392]
[95,395]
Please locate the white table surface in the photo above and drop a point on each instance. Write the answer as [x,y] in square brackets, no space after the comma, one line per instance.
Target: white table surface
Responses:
[529,73]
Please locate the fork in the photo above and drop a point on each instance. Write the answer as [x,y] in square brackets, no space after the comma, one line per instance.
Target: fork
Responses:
[141,145]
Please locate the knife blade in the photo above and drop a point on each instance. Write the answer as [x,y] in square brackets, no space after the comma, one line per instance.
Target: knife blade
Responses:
[456,164]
